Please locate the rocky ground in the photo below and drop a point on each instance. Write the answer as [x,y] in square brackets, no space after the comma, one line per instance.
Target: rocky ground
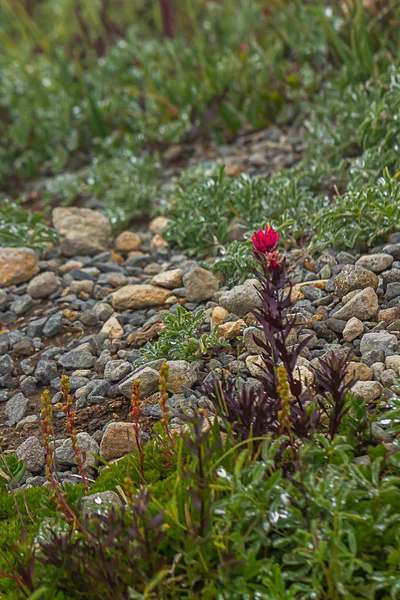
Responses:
[84,308]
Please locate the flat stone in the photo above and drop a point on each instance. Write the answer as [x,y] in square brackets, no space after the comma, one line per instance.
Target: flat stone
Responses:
[6,364]
[168,279]
[358,371]
[115,370]
[81,231]
[17,265]
[43,285]
[77,359]
[22,304]
[45,371]
[31,451]
[375,262]
[118,440]
[363,306]
[149,378]
[353,277]
[354,328]
[136,296]
[200,284]
[16,409]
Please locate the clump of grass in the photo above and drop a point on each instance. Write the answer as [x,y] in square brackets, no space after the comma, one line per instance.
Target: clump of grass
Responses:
[181,339]
[20,227]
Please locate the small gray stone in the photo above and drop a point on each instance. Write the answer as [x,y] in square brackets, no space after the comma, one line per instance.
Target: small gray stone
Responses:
[89,318]
[103,311]
[6,364]
[100,389]
[45,371]
[3,299]
[200,284]
[149,378]
[22,304]
[250,335]
[379,339]
[28,386]
[241,299]
[388,377]
[35,328]
[115,370]
[65,456]
[16,409]
[77,359]
[31,451]
[53,325]
[392,291]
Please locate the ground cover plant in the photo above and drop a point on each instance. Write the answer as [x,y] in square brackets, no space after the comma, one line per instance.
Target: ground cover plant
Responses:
[313,524]
[282,485]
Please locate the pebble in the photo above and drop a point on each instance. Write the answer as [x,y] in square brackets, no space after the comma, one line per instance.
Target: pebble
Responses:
[77,359]
[65,456]
[43,285]
[127,241]
[115,370]
[180,373]
[100,503]
[169,279]
[149,379]
[113,329]
[369,390]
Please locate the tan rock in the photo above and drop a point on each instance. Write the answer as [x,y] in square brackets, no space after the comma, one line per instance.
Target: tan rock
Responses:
[219,315]
[354,327]
[369,390]
[168,279]
[231,330]
[113,328]
[297,294]
[127,241]
[353,277]
[43,285]
[158,225]
[393,362]
[389,315]
[304,375]
[358,372]
[82,286]
[180,372]
[17,265]
[200,284]
[255,365]
[158,242]
[132,297]
[81,230]
[118,440]
[70,265]
[364,306]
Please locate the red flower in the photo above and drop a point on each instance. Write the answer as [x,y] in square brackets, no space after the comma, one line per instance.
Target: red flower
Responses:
[265,242]
[243,46]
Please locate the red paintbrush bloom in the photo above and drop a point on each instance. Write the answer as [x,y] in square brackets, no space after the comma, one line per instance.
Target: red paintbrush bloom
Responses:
[265,242]
[243,47]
